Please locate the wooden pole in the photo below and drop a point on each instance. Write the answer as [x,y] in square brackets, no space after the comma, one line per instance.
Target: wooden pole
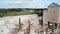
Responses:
[28,27]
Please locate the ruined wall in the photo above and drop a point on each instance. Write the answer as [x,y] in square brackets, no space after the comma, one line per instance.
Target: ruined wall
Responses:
[7,24]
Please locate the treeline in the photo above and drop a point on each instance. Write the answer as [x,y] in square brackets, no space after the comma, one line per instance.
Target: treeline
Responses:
[19,9]
[12,12]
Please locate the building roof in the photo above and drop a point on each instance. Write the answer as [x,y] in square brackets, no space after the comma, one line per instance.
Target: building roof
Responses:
[54,5]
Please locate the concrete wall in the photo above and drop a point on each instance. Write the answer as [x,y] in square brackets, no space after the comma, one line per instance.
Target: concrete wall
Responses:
[53,13]
[59,16]
[13,22]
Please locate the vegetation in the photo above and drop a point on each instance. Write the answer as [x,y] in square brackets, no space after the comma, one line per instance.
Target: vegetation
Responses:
[15,12]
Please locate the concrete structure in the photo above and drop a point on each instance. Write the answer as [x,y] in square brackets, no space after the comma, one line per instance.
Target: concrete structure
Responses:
[45,18]
[10,24]
[51,17]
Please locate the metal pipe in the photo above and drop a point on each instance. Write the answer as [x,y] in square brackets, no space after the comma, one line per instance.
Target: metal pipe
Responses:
[28,27]
[19,25]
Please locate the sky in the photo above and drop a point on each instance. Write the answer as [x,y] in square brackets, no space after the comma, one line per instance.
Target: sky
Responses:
[26,3]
